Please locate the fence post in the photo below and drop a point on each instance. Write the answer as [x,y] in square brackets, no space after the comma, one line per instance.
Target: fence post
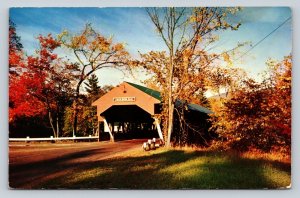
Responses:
[27,139]
[52,140]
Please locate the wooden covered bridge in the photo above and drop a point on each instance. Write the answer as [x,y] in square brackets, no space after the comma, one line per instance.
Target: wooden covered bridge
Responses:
[131,111]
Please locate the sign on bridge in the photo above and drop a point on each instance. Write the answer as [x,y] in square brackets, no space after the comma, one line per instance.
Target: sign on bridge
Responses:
[124,99]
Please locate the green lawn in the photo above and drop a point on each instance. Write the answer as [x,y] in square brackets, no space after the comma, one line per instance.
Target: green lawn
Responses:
[177,169]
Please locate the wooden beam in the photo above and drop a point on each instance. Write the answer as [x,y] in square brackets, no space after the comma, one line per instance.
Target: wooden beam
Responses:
[98,130]
[112,139]
[158,129]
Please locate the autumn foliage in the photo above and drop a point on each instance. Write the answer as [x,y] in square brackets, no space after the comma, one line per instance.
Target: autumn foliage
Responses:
[40,85]
[91,51]
[258,115]
[21,102]
[246,114]
[180,71]
[46,84]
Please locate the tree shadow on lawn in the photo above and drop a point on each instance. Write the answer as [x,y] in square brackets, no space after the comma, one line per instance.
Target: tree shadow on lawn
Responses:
[27,175]
[175,169]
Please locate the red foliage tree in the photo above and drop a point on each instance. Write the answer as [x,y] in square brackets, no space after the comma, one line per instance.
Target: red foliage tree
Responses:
[41,86]
[21,103]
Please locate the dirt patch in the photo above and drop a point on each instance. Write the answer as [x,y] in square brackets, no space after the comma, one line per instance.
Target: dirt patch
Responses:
[30,164]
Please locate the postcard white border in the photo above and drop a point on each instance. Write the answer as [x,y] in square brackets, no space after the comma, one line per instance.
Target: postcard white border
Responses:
[5,192]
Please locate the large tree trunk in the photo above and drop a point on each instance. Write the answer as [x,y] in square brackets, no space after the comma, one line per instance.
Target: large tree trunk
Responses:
[170,93]
[170,124]
[170,109]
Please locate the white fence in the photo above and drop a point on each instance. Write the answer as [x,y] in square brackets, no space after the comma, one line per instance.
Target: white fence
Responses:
[51,139]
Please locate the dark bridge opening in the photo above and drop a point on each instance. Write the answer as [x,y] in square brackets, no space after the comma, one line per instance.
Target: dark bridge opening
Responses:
[128,122]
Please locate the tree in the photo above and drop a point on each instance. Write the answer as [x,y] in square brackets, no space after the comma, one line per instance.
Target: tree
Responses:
[92,52]
[87,118]
[222,80]
[258,115]
[43,85]
[92,87]
[87,114]
[187,33]
[21,103]
[280,99]
[15,49]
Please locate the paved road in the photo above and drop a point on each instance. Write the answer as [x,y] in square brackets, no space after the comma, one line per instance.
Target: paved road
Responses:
[37,162]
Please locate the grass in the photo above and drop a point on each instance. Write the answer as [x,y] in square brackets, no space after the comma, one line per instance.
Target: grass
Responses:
[177,169]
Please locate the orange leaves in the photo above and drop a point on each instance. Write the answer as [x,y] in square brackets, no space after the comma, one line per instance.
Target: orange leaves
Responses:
[93,52]
[93,49]
[15,58]
[187,53]
[48,42]
[187,34]
[104,44]
[282,99]
[227,59]
[78,41]
[89,42]
[118,47]
[99,43]
[259,113]
[212,19]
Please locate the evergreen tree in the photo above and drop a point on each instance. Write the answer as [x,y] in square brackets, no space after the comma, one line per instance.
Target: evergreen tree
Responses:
[15,50]
[92,88]
[14,39]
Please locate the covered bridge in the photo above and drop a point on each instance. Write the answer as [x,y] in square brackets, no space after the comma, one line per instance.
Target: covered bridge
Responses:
[131,111]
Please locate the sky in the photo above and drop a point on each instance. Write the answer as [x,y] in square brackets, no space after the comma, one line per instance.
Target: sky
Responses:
[134,27]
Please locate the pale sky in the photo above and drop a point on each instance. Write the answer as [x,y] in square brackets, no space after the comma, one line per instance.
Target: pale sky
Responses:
[133,27]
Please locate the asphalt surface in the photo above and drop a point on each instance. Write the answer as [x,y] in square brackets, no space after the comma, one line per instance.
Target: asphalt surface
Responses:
[32,163]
